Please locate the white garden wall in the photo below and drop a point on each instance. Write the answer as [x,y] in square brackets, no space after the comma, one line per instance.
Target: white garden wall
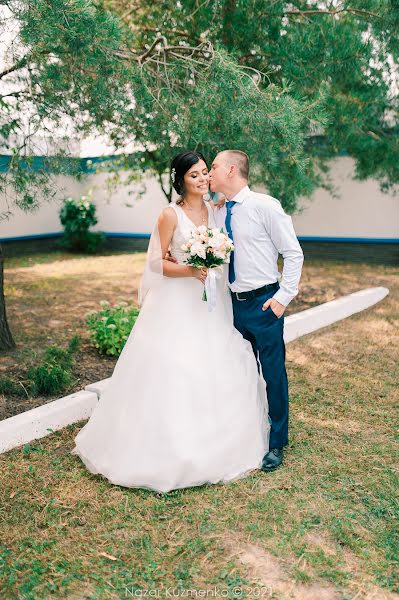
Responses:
[360,212]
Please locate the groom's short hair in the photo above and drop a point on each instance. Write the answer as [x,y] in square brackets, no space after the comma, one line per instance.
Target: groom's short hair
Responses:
[240,160]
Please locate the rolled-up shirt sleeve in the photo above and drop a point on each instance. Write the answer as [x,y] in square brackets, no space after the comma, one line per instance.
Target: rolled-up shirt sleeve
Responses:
[281,230]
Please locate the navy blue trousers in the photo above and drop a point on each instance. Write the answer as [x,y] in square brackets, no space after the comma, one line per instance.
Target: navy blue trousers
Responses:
[265,332]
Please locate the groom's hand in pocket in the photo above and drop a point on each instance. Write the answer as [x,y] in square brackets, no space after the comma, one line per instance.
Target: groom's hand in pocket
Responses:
[276,307]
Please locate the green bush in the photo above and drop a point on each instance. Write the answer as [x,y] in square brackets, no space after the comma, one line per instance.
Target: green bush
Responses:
[8,387]
[54,374]
[49,379]
[77,216]
[110,327]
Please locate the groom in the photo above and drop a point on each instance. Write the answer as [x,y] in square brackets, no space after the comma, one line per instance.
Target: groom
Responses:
[260,230]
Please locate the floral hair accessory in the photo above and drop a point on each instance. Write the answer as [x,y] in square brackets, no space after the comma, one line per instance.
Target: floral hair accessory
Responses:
[173,174]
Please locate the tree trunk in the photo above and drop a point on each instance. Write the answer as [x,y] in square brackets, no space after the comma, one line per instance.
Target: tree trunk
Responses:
[167,192]
[6,339]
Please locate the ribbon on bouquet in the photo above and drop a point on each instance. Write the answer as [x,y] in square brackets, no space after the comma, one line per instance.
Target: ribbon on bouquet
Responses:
[210,287]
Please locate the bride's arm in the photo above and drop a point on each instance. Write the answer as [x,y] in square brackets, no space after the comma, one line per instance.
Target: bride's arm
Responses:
[167,223]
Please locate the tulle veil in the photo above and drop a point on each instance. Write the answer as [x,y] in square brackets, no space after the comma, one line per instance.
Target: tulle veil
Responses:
[153,270]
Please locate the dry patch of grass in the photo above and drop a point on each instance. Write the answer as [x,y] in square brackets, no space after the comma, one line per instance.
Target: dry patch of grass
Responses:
[274,577]
[324,526]
[53,295]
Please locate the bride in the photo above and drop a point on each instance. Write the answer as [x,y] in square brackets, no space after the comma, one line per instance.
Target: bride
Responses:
[185,405]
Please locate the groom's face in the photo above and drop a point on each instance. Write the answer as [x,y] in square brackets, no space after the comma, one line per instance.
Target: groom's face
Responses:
[219,174]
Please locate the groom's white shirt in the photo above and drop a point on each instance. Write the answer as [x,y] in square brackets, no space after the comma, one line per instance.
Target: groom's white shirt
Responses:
[261,231]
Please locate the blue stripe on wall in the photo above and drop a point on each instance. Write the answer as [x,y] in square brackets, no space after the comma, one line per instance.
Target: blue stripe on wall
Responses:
[69,164]
[37,236]
[129,235]
[60,234]
[148,235]
[310,238]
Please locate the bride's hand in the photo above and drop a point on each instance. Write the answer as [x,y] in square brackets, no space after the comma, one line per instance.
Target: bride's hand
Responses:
[169,257]
[221,201]
[200,274]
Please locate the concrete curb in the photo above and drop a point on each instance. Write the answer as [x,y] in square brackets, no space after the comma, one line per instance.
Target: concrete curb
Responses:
[50,417]
[313,319]
[43,420]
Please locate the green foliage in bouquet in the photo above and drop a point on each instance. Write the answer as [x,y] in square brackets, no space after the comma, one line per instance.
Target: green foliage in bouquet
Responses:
[77,216]
[110,326]
[54,374]
[210,262]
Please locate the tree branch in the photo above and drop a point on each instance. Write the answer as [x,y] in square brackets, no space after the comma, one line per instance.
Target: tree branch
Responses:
[158,40]
[18,65]
[167,194]
[25,60]
[355,11]
[12,94]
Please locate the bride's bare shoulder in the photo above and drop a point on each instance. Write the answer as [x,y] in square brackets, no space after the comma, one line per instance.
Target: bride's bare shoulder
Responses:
[168,216]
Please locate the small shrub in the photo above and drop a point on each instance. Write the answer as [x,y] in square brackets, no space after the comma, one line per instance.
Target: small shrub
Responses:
[110,327]
[77,216]
[74,344]
[54,374]
[51,376]
[9,387]
[49,379]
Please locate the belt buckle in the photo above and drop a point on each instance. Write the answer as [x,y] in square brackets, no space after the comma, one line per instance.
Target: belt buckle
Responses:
[239,299]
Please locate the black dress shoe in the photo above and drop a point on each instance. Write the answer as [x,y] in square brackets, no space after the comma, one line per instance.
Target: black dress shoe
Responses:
[273,459]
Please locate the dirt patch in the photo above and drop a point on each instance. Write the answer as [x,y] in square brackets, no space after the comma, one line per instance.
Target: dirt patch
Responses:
[271,573]
[267,571]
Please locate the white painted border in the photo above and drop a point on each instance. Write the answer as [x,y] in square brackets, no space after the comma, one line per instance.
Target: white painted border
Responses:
[312,319]
[45,419]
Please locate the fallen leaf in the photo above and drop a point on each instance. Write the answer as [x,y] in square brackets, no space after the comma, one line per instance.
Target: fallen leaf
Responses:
[105,555]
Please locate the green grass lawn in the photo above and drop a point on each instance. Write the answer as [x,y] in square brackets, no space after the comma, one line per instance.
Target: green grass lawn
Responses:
[324,526]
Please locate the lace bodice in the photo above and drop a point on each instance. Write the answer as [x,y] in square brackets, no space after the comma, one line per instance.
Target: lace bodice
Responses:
[183,231]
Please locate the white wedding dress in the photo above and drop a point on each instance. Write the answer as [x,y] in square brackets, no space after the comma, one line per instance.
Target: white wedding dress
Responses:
[185,405]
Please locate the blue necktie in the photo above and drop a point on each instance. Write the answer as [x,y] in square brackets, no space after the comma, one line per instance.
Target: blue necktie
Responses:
[229,206]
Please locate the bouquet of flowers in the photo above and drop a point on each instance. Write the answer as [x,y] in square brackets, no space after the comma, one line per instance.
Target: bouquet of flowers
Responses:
[209,248]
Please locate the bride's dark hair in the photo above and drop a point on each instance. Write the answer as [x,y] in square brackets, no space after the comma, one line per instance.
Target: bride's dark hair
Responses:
[179,167]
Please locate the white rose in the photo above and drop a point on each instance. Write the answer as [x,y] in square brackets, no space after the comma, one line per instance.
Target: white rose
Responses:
[215,231]
[198,250]
[194,248]
[216,241]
